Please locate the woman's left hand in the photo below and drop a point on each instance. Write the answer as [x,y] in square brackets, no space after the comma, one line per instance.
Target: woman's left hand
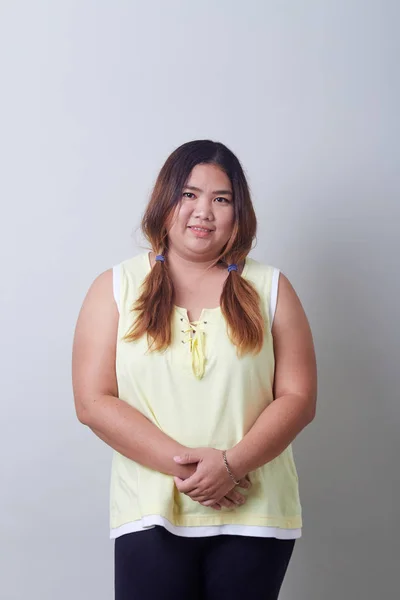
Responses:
[211,480]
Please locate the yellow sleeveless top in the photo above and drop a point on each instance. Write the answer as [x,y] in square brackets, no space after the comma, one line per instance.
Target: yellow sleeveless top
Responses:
[200,393]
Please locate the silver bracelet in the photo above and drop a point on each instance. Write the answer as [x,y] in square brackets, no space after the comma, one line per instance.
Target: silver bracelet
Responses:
[228,468]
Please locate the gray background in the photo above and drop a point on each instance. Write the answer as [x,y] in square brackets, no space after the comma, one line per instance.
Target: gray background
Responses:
[95,95]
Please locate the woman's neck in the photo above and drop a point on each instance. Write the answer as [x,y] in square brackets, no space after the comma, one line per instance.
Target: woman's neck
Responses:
[179,263]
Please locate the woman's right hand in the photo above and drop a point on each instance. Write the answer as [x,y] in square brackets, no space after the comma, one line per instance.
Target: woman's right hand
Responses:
[234,498]
[231,500]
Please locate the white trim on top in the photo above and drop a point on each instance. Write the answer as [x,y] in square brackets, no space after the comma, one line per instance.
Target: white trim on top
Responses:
[117,284]
[274,295]
[150,521]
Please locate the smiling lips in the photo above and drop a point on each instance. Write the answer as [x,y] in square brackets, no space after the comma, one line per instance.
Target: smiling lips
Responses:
[199,228]
[200,231]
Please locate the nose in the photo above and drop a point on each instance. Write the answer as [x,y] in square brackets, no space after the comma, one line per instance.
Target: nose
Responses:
[203,209]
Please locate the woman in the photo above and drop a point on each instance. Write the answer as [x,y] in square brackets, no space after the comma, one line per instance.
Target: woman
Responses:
[199,374]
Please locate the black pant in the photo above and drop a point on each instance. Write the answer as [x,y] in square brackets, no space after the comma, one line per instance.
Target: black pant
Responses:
[158,565]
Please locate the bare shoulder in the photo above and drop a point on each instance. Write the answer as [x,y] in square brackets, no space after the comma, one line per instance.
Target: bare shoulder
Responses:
[94,344]
[100,288]
[289,309]
[295,361]
[98,307]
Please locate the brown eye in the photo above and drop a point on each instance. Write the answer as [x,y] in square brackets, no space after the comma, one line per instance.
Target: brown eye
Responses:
[187,194]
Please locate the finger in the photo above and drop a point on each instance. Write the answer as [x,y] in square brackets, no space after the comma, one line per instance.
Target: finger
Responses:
[178,482]
[201,495]
[209,502]
[215,506]
[188,458]
[197,496]
[245,483]
[188,485]
[235,497]
[226,503]
[189,490]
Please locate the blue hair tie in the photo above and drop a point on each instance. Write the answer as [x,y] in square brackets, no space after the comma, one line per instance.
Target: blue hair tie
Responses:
[232,267]
[160,257]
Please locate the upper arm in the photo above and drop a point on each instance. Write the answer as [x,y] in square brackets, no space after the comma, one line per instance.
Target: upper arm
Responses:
[295,362]
[94,345]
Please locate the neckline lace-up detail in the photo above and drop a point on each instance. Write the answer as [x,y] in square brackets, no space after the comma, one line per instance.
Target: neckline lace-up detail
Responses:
[196,340]
[196,334]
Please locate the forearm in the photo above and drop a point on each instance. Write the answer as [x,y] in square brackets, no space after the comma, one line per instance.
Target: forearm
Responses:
[276,427]
[130,433]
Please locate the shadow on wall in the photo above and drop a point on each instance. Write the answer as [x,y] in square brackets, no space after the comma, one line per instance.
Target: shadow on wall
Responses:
[348,457]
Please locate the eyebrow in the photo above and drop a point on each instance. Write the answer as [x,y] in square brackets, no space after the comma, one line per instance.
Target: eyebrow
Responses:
[196,189]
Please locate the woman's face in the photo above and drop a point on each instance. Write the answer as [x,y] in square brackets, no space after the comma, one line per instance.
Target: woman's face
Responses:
[203,221]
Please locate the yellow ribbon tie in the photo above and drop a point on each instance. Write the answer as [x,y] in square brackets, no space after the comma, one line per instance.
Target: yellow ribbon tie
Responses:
[197,348]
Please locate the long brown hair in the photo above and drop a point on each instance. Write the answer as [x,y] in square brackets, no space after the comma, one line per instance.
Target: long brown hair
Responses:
[240,302]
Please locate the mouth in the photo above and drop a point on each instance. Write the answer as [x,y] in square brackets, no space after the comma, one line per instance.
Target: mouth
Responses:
[200,232]
[200,229]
